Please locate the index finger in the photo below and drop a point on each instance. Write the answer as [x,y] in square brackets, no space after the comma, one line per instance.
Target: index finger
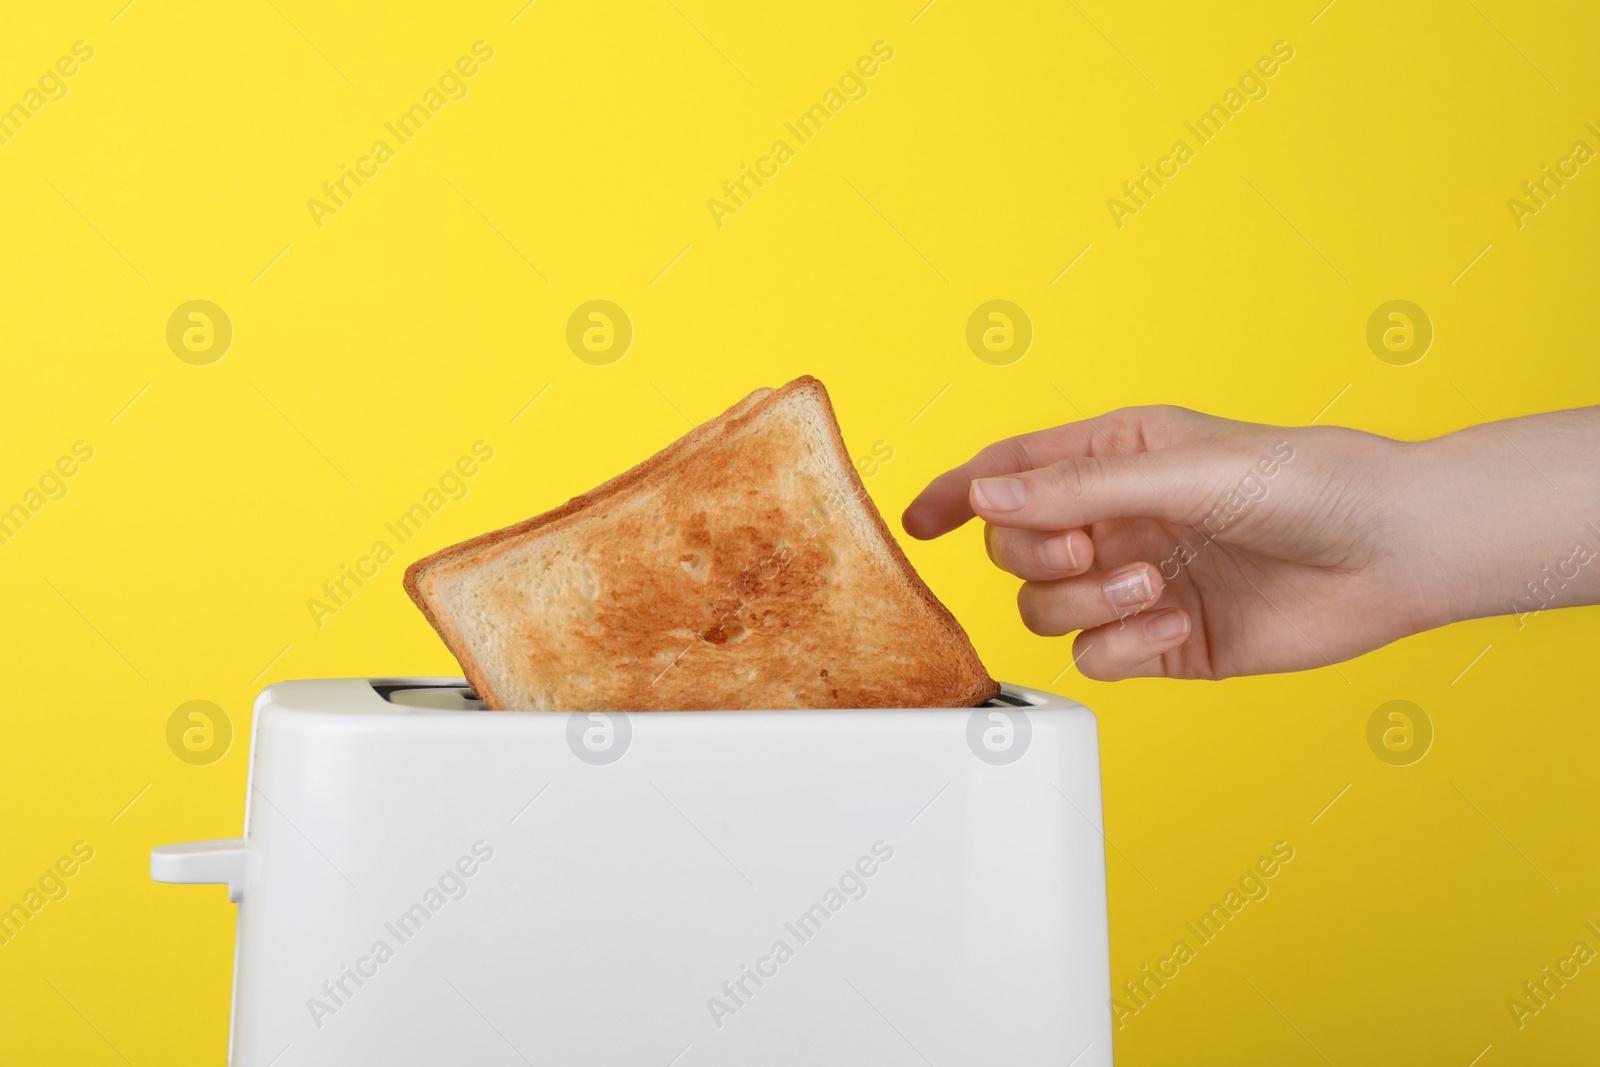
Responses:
[944,504]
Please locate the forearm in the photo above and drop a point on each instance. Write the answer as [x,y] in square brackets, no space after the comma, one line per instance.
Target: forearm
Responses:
[1506,515]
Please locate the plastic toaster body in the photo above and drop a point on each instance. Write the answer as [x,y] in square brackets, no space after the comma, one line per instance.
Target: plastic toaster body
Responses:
[421,881]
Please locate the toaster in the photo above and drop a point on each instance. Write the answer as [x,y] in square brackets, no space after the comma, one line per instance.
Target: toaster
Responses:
[423,881]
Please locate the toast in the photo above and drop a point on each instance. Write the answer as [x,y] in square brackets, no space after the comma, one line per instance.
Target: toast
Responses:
[744,566]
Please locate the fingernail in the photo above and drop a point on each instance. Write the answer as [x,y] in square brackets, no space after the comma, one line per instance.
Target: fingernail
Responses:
[1056,553]
[1166,625]
[1129,590]
[1000,494]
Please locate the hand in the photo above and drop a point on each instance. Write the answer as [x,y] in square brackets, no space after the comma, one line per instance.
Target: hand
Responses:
[1188,546]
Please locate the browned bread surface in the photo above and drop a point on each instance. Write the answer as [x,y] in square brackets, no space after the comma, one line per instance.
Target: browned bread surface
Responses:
[744,566]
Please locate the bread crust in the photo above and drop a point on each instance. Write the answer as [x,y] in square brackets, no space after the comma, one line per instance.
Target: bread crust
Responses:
[972,683]
[981,687]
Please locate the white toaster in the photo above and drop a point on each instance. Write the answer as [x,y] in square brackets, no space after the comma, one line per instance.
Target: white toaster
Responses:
[422,881]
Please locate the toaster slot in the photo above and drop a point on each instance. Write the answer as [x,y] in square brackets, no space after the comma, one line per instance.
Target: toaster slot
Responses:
[448,696]
[442,697]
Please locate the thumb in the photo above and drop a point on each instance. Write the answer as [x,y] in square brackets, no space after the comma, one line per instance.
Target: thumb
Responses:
[1174,484]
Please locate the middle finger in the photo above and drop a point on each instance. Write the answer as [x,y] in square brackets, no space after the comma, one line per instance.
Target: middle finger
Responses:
[1038,555]
[1067,604]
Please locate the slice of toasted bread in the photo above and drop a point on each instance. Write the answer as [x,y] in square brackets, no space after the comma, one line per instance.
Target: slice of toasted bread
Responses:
[744,566]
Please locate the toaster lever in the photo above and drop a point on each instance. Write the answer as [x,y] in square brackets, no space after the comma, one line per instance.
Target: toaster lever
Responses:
[227,861]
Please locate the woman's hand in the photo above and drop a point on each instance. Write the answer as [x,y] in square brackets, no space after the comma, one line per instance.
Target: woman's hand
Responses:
[1189,546]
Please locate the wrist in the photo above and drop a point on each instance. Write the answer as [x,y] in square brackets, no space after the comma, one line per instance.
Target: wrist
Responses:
[1457,565]
[1426,567]
[1504,519]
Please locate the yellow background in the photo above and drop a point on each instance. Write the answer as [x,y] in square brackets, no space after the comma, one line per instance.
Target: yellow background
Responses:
[378,348]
